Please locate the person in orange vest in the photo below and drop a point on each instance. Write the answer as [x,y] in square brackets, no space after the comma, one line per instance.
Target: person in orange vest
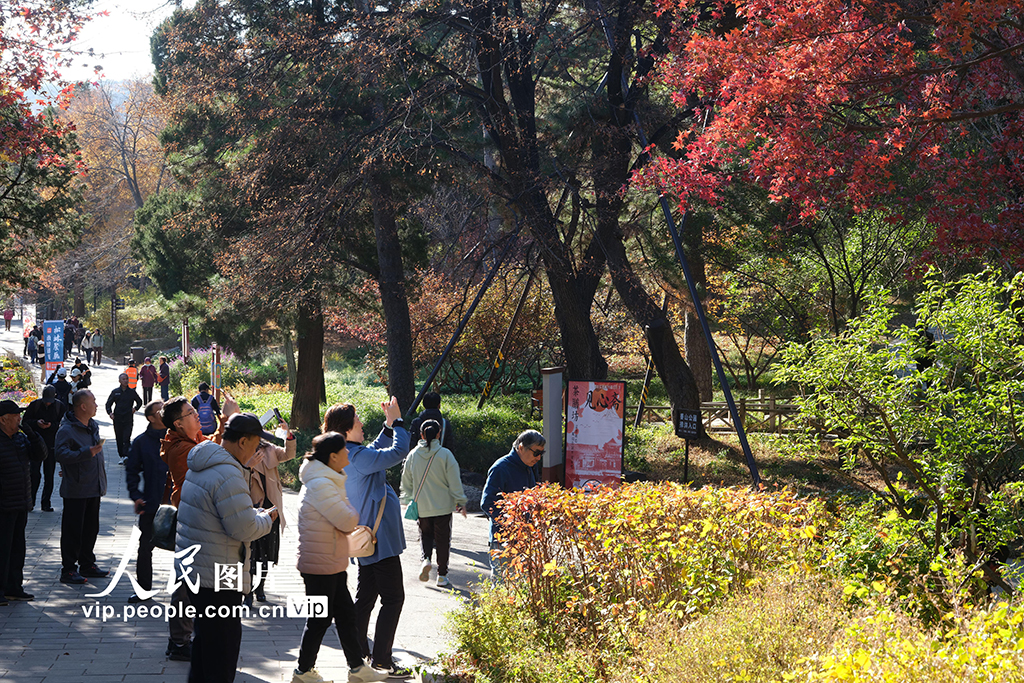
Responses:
[133,374]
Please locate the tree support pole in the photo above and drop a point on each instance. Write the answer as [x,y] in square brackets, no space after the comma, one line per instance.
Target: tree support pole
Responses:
[647,376]
[512,239]
[500,357]
[690,282]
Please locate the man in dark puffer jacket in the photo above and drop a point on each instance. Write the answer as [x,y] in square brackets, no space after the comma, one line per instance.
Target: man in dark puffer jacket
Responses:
[17,451]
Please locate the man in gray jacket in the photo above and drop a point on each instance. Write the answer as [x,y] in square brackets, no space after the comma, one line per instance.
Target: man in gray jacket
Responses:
[79,451]
[217,519]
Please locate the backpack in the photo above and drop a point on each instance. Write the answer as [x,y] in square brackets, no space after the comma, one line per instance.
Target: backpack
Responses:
[207,420]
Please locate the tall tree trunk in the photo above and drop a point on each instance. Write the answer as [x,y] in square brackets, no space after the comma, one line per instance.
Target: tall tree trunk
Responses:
[310,371]
[289,359]
[391,281]
[698,355]
[611,149]
[79,287]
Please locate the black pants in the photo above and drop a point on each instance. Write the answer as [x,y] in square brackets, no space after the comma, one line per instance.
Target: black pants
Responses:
[147,394]
[79,526]
[216,640]
[47,466]
[144,561]
[180,627]
[123,433]
[88,355]
[12,550]
[340,610]
[436,532]
[381,579]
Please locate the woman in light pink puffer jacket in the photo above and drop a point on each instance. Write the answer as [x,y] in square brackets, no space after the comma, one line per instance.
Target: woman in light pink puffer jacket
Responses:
[324,517]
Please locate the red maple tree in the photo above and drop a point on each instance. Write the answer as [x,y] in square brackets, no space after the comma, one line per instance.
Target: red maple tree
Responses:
[35,40]
[858,105]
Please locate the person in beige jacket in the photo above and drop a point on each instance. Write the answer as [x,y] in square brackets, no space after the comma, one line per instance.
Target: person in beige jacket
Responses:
[265,489]
[325,517]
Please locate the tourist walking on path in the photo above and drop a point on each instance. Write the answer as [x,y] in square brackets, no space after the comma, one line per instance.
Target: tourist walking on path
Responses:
[43,416]
[512,472]
[207,408]
[380,574]
[147,377]
[121,406]
[97,348]
[432,411]
[133,375]
[165,379]
[266,492]
[87,346]
[8,317]
[19,451]
[431,478]
[79,451]
[325,519]
[216,514]
[59,380]
[144,461]
[33,344]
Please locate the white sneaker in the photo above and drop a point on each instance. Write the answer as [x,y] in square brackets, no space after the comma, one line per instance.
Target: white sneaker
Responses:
[366,673]
[425,570]
[311,676]
[443,582]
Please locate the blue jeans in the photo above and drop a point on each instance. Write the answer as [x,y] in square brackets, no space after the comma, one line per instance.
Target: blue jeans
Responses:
[497,562]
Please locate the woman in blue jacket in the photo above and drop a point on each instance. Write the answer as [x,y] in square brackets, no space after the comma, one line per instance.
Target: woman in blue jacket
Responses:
[380,574]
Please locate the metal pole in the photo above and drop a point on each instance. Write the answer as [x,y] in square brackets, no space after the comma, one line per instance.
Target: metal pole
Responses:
[462,323]
[690,282]
[113,316]
[643,393]
[500,357]
[648,375]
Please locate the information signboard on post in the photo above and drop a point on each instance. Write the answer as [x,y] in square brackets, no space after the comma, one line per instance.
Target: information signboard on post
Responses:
[594,428]
[53,339]
[689,425]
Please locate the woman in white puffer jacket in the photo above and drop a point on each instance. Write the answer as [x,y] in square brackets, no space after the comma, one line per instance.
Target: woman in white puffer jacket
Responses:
[325,516]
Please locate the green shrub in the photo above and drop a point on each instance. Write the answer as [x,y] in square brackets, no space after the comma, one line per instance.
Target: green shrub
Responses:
[641,445]
[980,645]
[871,544]
[587,573]
[936,419]
[589,565]
[495,641]
[758,634]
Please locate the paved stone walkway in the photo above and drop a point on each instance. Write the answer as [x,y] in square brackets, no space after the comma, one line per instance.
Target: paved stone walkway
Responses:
[53,640]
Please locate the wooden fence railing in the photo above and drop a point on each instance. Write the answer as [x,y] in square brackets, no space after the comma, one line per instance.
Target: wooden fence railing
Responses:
[762,414]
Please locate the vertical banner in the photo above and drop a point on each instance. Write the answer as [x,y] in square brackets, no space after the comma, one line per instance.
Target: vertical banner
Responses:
[53,338]
[28,318]
[594,427]
[185,350]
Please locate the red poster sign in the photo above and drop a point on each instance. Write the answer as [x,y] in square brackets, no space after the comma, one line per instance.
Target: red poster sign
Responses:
[594,427]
